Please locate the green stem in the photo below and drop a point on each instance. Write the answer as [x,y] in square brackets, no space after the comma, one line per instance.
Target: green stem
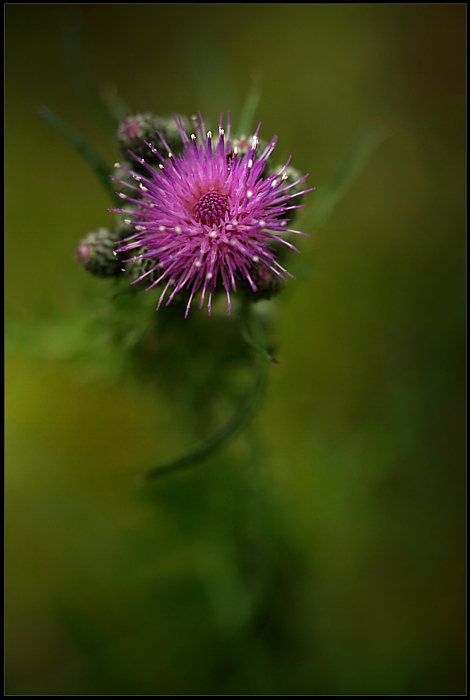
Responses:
[214,442]
[255,338]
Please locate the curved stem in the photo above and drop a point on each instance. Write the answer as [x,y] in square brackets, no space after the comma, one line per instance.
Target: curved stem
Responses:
[245,411]
[255,338]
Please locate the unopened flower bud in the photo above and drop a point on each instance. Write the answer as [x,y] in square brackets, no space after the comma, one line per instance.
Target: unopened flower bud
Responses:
[136,129]
[291,175]
[242,144]
[122,175]
[171,133]
[267,283]
[139,265]
[123,225]
[95,253]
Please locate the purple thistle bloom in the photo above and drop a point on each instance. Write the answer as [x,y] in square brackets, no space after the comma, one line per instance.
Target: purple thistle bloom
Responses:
[208,216]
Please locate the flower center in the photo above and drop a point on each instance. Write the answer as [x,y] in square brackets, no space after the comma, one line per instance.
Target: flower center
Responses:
[210,208]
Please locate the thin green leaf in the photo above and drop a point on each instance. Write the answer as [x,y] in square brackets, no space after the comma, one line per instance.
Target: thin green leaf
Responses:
[94,160]
[349,170]
[77,60]
[115,103]
[249,108]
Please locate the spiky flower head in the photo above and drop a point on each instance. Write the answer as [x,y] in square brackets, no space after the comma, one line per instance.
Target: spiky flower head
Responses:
[207,216]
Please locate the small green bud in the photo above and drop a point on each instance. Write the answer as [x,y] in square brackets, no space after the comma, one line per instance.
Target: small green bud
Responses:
[172,134]
[268,284]
[291,175]
[123,223]
[123,174]
[139,265]
[95,253]
[136,129]
[242,144]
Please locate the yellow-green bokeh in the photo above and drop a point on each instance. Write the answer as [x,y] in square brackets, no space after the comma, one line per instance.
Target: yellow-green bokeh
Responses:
[363,422]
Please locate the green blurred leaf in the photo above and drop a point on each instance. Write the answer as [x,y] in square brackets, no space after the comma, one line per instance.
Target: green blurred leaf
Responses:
[73,45]
[252,101]
[348,172]
[54,340]
[94,160]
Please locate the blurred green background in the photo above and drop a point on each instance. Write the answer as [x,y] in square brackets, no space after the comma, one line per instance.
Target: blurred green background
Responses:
[322,551]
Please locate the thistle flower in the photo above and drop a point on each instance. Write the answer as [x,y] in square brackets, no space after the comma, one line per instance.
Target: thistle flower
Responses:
[207,216]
